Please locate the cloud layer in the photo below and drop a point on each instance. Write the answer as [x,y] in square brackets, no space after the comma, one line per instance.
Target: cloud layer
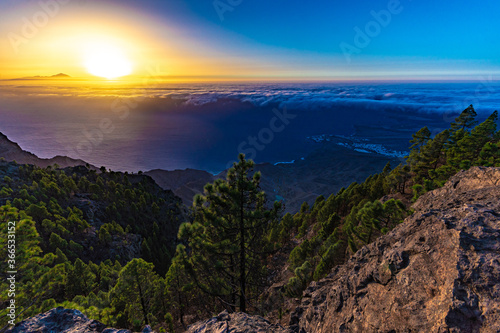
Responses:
[205,125]
[438,97]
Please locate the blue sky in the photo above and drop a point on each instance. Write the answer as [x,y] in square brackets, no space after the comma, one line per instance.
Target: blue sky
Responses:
[458,29]
[432,37]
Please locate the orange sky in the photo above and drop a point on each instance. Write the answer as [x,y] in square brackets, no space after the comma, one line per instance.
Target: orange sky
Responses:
[36,45]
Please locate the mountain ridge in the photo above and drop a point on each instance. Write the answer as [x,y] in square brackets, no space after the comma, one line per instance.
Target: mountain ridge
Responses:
[11,151]
[322,172]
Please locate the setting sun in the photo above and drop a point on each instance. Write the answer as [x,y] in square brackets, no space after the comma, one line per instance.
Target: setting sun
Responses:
[108,63]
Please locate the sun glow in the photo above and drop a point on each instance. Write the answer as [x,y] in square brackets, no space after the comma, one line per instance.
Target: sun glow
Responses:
[107,62]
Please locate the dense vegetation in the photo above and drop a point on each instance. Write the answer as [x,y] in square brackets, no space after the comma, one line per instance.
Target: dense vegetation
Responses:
[75,230]
[111,244]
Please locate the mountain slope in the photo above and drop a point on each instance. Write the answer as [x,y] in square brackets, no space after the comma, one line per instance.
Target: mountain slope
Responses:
[323,172]
[437,272]
[184,183]
[11,151]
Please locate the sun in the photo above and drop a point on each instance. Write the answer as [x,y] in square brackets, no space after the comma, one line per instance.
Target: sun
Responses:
[107,62]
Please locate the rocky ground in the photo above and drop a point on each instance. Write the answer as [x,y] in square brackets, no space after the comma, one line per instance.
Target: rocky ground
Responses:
[237,323]
[437,272]
[63,320]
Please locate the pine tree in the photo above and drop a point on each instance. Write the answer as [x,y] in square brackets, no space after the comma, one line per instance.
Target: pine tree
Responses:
[297,283]
[430,156]
[137,290]
[467,149]
[466,120]
[25,260]
[81,279]
[376,218]
[460,129]
[180,289]
[420,138]
[226,243]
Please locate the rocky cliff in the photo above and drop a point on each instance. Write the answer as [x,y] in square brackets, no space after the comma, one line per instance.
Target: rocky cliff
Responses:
[437,272]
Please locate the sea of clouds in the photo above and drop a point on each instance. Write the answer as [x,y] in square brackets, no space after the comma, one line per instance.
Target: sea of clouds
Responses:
[483,93]
[205,125]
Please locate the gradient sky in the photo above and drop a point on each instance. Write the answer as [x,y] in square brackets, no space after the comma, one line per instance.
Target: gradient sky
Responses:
[261,39]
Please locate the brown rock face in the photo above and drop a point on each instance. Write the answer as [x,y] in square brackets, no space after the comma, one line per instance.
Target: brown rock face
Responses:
[437,272]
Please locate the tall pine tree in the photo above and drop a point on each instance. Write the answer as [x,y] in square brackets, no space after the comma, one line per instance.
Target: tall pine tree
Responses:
[226,243]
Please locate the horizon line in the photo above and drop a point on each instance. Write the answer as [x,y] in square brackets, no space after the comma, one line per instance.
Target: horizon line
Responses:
[297,79]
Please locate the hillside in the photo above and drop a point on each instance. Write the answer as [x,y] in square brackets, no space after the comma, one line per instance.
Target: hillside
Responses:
[76,231]
[184,183]
[11,151]
[323,172]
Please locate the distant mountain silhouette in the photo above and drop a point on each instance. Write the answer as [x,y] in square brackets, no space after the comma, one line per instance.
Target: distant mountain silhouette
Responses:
[11,151]
[60,75]
[324,171]
[37,77]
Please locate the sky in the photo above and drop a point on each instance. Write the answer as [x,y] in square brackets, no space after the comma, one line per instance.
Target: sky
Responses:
[243,39]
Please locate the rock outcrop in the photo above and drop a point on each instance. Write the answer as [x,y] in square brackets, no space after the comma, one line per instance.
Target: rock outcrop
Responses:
[62,320]
[437,272]
[236,323]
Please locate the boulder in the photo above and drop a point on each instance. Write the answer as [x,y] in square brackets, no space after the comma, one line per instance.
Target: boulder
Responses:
[62,320]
